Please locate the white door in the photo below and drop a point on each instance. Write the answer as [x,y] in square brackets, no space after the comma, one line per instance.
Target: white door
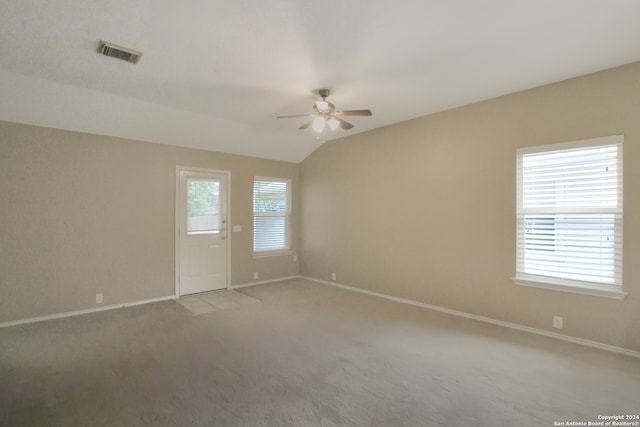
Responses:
[202,231]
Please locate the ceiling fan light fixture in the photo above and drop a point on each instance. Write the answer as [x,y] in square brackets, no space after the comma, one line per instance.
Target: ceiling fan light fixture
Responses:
[319,124]
[322,106]
[333,123]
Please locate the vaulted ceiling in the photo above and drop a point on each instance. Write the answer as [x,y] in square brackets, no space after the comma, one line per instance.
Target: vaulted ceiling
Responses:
[215,74]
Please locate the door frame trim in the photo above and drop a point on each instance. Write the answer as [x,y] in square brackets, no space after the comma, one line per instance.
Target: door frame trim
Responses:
[176,242]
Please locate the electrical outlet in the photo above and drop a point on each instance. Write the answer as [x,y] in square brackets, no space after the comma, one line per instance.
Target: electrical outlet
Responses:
[333,276]
[557,322]
[295,258]
[255,275]
[98,298]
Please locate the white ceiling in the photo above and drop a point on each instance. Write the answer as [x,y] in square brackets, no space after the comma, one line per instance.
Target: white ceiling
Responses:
[215,74]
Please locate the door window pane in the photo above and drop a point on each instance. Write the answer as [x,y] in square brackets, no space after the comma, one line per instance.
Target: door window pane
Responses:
[203,206]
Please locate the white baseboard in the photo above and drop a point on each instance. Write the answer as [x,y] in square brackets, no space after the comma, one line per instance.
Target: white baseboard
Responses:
[575,340]
[87,311]
[262,282]
[127,304]
[588,343]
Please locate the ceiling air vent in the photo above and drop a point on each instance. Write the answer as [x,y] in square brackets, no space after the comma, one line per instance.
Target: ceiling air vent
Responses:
[115,51]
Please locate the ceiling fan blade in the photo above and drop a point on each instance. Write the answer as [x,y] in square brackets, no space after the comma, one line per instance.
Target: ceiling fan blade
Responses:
[354,113]
[296,115]
[345,125]
[306,125]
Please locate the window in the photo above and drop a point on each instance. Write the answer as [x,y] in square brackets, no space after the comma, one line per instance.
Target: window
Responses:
[271,212]
[569,217]
[203,207]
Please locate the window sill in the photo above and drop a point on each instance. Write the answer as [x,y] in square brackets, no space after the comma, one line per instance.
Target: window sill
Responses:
[595,290]
[266,254]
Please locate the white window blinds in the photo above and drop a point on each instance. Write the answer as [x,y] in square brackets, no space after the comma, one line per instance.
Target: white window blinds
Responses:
[570,212]
[271,211]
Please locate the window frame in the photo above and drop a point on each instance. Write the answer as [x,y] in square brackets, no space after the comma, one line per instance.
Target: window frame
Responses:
[552,282]
[287,250]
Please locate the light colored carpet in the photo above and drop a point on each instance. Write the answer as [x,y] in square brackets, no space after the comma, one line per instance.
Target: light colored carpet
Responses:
[307,355]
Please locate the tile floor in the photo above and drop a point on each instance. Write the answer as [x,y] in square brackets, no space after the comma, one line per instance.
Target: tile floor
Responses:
[214,301]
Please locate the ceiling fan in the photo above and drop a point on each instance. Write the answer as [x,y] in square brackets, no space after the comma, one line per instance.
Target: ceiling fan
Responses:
[325,115]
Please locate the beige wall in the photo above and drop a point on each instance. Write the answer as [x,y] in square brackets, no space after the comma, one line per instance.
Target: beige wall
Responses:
[83,214]
[425,209]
